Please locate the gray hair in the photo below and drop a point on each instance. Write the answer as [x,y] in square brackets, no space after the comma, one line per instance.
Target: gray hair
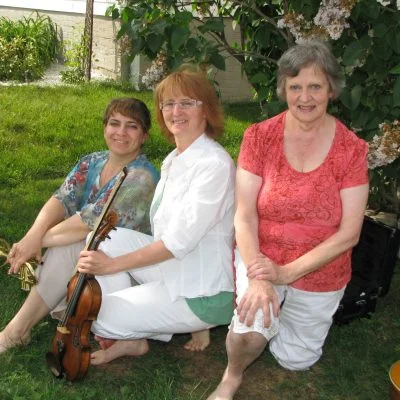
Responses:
[304,54]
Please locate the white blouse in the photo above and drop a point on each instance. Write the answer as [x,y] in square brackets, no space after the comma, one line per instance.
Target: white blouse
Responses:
[195,219]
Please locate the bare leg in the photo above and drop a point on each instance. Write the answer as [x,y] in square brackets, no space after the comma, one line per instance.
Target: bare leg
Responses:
[242,350]
[119,349]
[200,340]
[18,330]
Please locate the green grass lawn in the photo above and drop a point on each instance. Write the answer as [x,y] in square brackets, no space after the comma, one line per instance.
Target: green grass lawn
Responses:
[43,132]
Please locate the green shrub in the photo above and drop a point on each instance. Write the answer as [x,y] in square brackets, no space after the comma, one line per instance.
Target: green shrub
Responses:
[27,47]
[74,55]
[19,60]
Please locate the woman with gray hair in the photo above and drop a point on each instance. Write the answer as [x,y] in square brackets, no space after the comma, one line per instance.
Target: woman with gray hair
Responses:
[302,189]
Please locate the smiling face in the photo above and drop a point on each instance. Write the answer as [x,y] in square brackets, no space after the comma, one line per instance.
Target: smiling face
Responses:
[124,136]
[186,119]
[308,94]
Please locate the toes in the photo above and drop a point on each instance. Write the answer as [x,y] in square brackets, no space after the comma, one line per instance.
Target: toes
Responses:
[188,346]
[195,346]
[97,358]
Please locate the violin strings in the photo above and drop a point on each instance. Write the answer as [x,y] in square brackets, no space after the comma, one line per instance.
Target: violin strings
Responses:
[73,299]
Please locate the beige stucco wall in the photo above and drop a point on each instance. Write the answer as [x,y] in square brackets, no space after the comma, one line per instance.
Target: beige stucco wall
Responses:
[233,83]
[107,59]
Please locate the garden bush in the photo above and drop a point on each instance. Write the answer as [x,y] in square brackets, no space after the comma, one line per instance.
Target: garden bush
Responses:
[27,47]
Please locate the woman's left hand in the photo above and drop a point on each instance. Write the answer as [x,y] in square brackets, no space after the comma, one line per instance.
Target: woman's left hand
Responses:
[95,263]
[263,268]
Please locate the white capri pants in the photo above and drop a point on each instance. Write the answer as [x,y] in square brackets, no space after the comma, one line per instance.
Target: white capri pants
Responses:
[144,310]
[296,337]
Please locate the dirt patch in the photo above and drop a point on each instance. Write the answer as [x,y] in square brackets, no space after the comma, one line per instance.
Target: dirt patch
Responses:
[203,370]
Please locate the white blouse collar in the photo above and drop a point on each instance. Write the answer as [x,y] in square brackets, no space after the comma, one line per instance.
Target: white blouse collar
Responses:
[190,155]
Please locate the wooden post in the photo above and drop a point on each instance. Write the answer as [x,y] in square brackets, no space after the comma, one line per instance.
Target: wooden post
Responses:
[88,40]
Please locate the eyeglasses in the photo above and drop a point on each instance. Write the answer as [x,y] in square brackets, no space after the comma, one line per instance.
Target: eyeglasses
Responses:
[183,105]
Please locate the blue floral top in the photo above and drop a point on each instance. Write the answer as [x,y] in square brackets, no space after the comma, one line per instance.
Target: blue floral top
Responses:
[81,192]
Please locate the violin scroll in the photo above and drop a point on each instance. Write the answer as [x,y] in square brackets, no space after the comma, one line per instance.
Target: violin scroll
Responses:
[107,225]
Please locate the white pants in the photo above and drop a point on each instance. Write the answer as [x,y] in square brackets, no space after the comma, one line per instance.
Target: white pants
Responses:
[298,334]
[144,310]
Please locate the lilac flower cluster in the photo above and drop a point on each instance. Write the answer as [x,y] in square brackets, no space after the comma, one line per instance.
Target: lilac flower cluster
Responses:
[385,148]
[332,15]
[298,26]
[330,21]
[156,72]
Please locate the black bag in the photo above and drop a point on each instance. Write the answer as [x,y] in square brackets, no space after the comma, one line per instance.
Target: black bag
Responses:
[373,261]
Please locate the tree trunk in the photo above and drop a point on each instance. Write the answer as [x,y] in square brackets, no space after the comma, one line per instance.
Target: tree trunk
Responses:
[88,40]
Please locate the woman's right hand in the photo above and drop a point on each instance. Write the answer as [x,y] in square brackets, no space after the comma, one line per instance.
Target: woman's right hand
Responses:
[30,246]
[27,248]
[259,295]
[263,268]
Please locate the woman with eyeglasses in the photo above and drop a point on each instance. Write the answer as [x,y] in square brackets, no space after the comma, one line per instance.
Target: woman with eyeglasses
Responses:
[183,271]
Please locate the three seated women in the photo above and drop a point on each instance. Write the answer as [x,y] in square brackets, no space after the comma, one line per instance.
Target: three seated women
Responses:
[301,189]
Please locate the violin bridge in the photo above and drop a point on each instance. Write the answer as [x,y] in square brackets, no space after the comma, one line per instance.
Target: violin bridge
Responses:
[63,330]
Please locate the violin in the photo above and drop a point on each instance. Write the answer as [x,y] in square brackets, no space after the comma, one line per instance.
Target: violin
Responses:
[70,352]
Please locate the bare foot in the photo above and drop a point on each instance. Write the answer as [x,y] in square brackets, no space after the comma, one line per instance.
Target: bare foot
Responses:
[118,349]
[7,342]
[104,343]
[226,388]
[199,341]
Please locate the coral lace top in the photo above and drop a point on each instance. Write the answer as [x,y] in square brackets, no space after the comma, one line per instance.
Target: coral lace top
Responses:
[299,210]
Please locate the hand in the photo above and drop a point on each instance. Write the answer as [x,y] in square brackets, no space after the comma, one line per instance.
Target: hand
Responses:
[27,248]
[263,268]
[96,263]
[259,295]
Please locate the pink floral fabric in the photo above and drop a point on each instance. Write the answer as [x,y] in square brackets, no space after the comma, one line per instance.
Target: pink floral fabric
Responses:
[297,210]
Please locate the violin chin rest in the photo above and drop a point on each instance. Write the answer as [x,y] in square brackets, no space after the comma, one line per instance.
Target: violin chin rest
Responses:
[54,365]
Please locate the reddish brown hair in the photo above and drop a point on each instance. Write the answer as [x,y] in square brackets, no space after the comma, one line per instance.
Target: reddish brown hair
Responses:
[191,82]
